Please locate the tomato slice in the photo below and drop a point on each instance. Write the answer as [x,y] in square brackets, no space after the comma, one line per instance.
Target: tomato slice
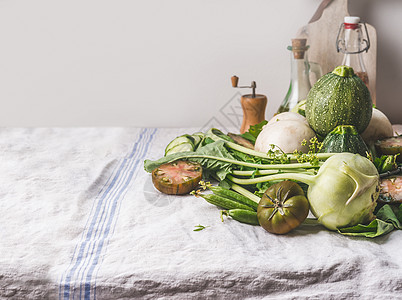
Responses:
[283,207]
[391,189]
[390,146]
[177,178]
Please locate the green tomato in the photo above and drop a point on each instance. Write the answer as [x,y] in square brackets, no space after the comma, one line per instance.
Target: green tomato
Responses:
[283,207]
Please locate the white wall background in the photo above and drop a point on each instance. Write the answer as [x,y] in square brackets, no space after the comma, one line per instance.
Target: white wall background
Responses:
[162,62]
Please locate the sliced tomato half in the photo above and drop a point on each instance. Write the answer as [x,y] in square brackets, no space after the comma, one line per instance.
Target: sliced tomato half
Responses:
[177,178]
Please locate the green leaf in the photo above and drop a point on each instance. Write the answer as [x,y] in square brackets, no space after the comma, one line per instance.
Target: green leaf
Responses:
[389,163]
[399,213]
[225,184]
[199,227]
[386,214]
[249,136]
[220,134]
[208,156]
[254,131]
[386,163]
[386,221]
[376,228]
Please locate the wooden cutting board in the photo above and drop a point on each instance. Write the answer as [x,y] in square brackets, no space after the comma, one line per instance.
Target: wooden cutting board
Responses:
[321,33]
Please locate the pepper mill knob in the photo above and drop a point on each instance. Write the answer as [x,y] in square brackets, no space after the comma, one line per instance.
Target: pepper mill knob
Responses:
[253,106]
[235,81]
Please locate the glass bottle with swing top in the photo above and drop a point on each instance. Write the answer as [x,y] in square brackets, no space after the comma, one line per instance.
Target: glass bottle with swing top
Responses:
[352,41]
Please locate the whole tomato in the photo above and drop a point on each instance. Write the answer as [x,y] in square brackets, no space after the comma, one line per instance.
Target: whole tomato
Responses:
[283,207]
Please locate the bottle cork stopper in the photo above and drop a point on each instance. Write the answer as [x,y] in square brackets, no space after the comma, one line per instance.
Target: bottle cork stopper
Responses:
[299,48]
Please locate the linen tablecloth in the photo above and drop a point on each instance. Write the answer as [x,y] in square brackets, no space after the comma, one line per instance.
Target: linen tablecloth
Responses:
[80,219]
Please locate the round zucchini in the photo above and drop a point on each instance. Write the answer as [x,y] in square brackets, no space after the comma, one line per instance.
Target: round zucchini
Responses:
[344,138]
[338,98]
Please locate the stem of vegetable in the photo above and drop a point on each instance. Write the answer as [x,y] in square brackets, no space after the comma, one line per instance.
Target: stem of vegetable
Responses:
[234,146]
[311,221]
[149,165]
[271,172]
[307,179]
[362,181]
[245,192]
[292,157]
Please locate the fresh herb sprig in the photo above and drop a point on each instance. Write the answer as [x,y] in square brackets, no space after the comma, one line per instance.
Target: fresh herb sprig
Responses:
[311,156]
[199,227]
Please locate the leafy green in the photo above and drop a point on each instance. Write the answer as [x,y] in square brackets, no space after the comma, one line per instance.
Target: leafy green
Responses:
[399,213]
[220,134]
[225,184]
[213,157]
[218,158]
[199,227]
[387,220]
[385,163]
[389,163]
[376,228]
[254,131]
[387,214]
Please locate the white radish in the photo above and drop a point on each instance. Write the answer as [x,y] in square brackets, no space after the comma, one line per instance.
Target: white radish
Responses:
[379,127]
[288,135]
[287,116]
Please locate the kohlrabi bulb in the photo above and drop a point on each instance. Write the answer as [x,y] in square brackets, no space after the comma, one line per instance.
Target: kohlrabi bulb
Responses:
[345,191]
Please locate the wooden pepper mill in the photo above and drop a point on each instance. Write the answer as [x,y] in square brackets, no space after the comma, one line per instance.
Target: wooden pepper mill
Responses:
[253,106]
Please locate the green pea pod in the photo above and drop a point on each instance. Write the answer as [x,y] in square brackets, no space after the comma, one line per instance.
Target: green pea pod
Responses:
[235,196]
[242,215]
[225,203]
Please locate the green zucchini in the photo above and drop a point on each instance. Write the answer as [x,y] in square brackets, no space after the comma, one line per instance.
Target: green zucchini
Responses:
[338,98]
[344,138]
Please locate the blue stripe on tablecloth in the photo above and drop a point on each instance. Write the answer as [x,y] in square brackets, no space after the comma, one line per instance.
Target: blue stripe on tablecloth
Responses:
[100,222]
[138,161]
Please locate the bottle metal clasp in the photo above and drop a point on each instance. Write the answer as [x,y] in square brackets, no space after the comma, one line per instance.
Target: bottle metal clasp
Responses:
[364,40]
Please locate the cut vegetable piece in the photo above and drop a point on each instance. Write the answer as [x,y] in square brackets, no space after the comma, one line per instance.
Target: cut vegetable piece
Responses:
[391,189]
[198,136]
[177,178]
[390,146]
[183,139]
[180,148]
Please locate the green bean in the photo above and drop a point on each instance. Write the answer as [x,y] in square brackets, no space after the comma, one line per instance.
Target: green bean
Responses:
[242,215]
